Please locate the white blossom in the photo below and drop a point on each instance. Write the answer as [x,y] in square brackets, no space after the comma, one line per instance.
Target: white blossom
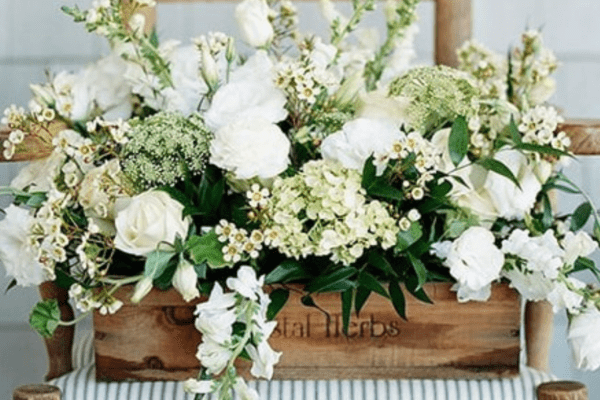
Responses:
[252,17]
[583,338]
[185,281]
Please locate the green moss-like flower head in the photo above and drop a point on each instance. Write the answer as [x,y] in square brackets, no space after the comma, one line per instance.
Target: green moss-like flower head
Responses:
[436,95]
[164,147]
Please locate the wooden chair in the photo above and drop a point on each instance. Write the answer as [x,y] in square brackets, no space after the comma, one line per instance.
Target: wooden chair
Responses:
[453,24]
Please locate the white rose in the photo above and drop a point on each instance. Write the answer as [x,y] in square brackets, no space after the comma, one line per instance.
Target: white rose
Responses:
[149,218]
[473,259]
[251,147]
[577,245]
[252,17]
[583,337]
[358,140]
[510,201]
[19,259]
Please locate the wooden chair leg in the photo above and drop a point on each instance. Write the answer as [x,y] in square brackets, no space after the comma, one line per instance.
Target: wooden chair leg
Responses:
[36,392]
[562,390]
[59,346]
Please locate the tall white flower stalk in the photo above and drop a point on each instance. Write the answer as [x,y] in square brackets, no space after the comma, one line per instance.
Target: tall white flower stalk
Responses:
[222,344]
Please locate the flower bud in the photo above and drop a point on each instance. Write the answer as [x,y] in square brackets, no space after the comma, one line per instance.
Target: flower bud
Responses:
[142,288]
[42,94]
[230,49]
[185,280]
[209,71]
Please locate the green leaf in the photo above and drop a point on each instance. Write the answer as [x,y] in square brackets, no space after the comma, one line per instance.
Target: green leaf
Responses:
[441,190]
[398,300]
[200,270]
[379,261]
[380,188]
[543,150]
[288,270]
[368,281]
[583,263]
[278,299]
[63,280]
[405,239]
[165,280]
[514,132]
[362,294]
[346,309]
[45,317]
[597,230]
[337,281]
[157,262]
[11,285]
[499,168]
[420,270]
[368,173]
[36,200]
[412,285]
[581,216]
[547,217]
[563,188]
[207,248]
[458,142]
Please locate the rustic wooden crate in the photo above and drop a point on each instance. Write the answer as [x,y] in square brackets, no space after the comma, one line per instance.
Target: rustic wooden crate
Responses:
[157,340]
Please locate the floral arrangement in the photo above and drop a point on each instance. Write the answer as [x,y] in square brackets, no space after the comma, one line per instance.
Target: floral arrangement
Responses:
[329,163]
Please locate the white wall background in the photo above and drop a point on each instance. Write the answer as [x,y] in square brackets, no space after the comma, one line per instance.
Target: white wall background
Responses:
[35,36]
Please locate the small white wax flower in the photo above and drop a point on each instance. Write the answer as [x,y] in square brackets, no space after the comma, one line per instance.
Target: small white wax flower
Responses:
[583,338]
[185,281]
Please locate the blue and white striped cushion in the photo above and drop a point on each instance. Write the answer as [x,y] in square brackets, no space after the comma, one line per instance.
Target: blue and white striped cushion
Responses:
[81,385]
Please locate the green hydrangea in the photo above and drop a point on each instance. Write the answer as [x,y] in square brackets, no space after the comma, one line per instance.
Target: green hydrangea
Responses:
[436,95]
[164,147]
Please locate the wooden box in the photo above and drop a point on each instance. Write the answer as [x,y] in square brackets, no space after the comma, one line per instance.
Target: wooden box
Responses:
[157,340]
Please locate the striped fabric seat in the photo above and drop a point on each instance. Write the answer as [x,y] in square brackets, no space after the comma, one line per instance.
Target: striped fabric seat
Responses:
[81,385]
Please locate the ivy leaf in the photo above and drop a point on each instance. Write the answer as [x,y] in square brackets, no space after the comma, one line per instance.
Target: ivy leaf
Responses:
[45,317]
[368,281]
[580,216]
[458,141]
[157,262]
[405,239]
[420,270]
[287,271]
[278,299]
[337,281]
[398,300]
[346,309]
[207,248]
[499,168]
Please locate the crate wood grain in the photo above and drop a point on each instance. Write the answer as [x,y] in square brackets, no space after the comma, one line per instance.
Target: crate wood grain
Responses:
[156,340]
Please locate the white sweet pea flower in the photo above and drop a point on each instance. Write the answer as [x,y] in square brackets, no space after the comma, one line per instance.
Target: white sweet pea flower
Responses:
[541,253]
[562,297]
[473,259]
[533,286]
[185,281]
[147,220]
[17,255]
[213,355]
[583,338]
[263,359]
[577,245]
[246,283]
[358,140]
[251,147]
[252,17]
[464,293]
[197,386]
[243,391]
[216,316]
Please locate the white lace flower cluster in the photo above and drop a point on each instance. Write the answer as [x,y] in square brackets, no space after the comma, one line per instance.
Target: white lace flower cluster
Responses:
[486,67]
[535,265]
[323,211]
[221,345]
[86,300]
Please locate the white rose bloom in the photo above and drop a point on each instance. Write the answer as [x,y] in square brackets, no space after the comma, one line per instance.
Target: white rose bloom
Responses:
[577,245]
[358,140]
[149,219]
[252,17]
[510,201]
[19,259]
[473,259]
[185,281]
[251,92]
[251,147]
[583,337]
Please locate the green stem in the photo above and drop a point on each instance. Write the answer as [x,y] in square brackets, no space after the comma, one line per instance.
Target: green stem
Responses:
[74,321]
[121,282]
[240,347]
